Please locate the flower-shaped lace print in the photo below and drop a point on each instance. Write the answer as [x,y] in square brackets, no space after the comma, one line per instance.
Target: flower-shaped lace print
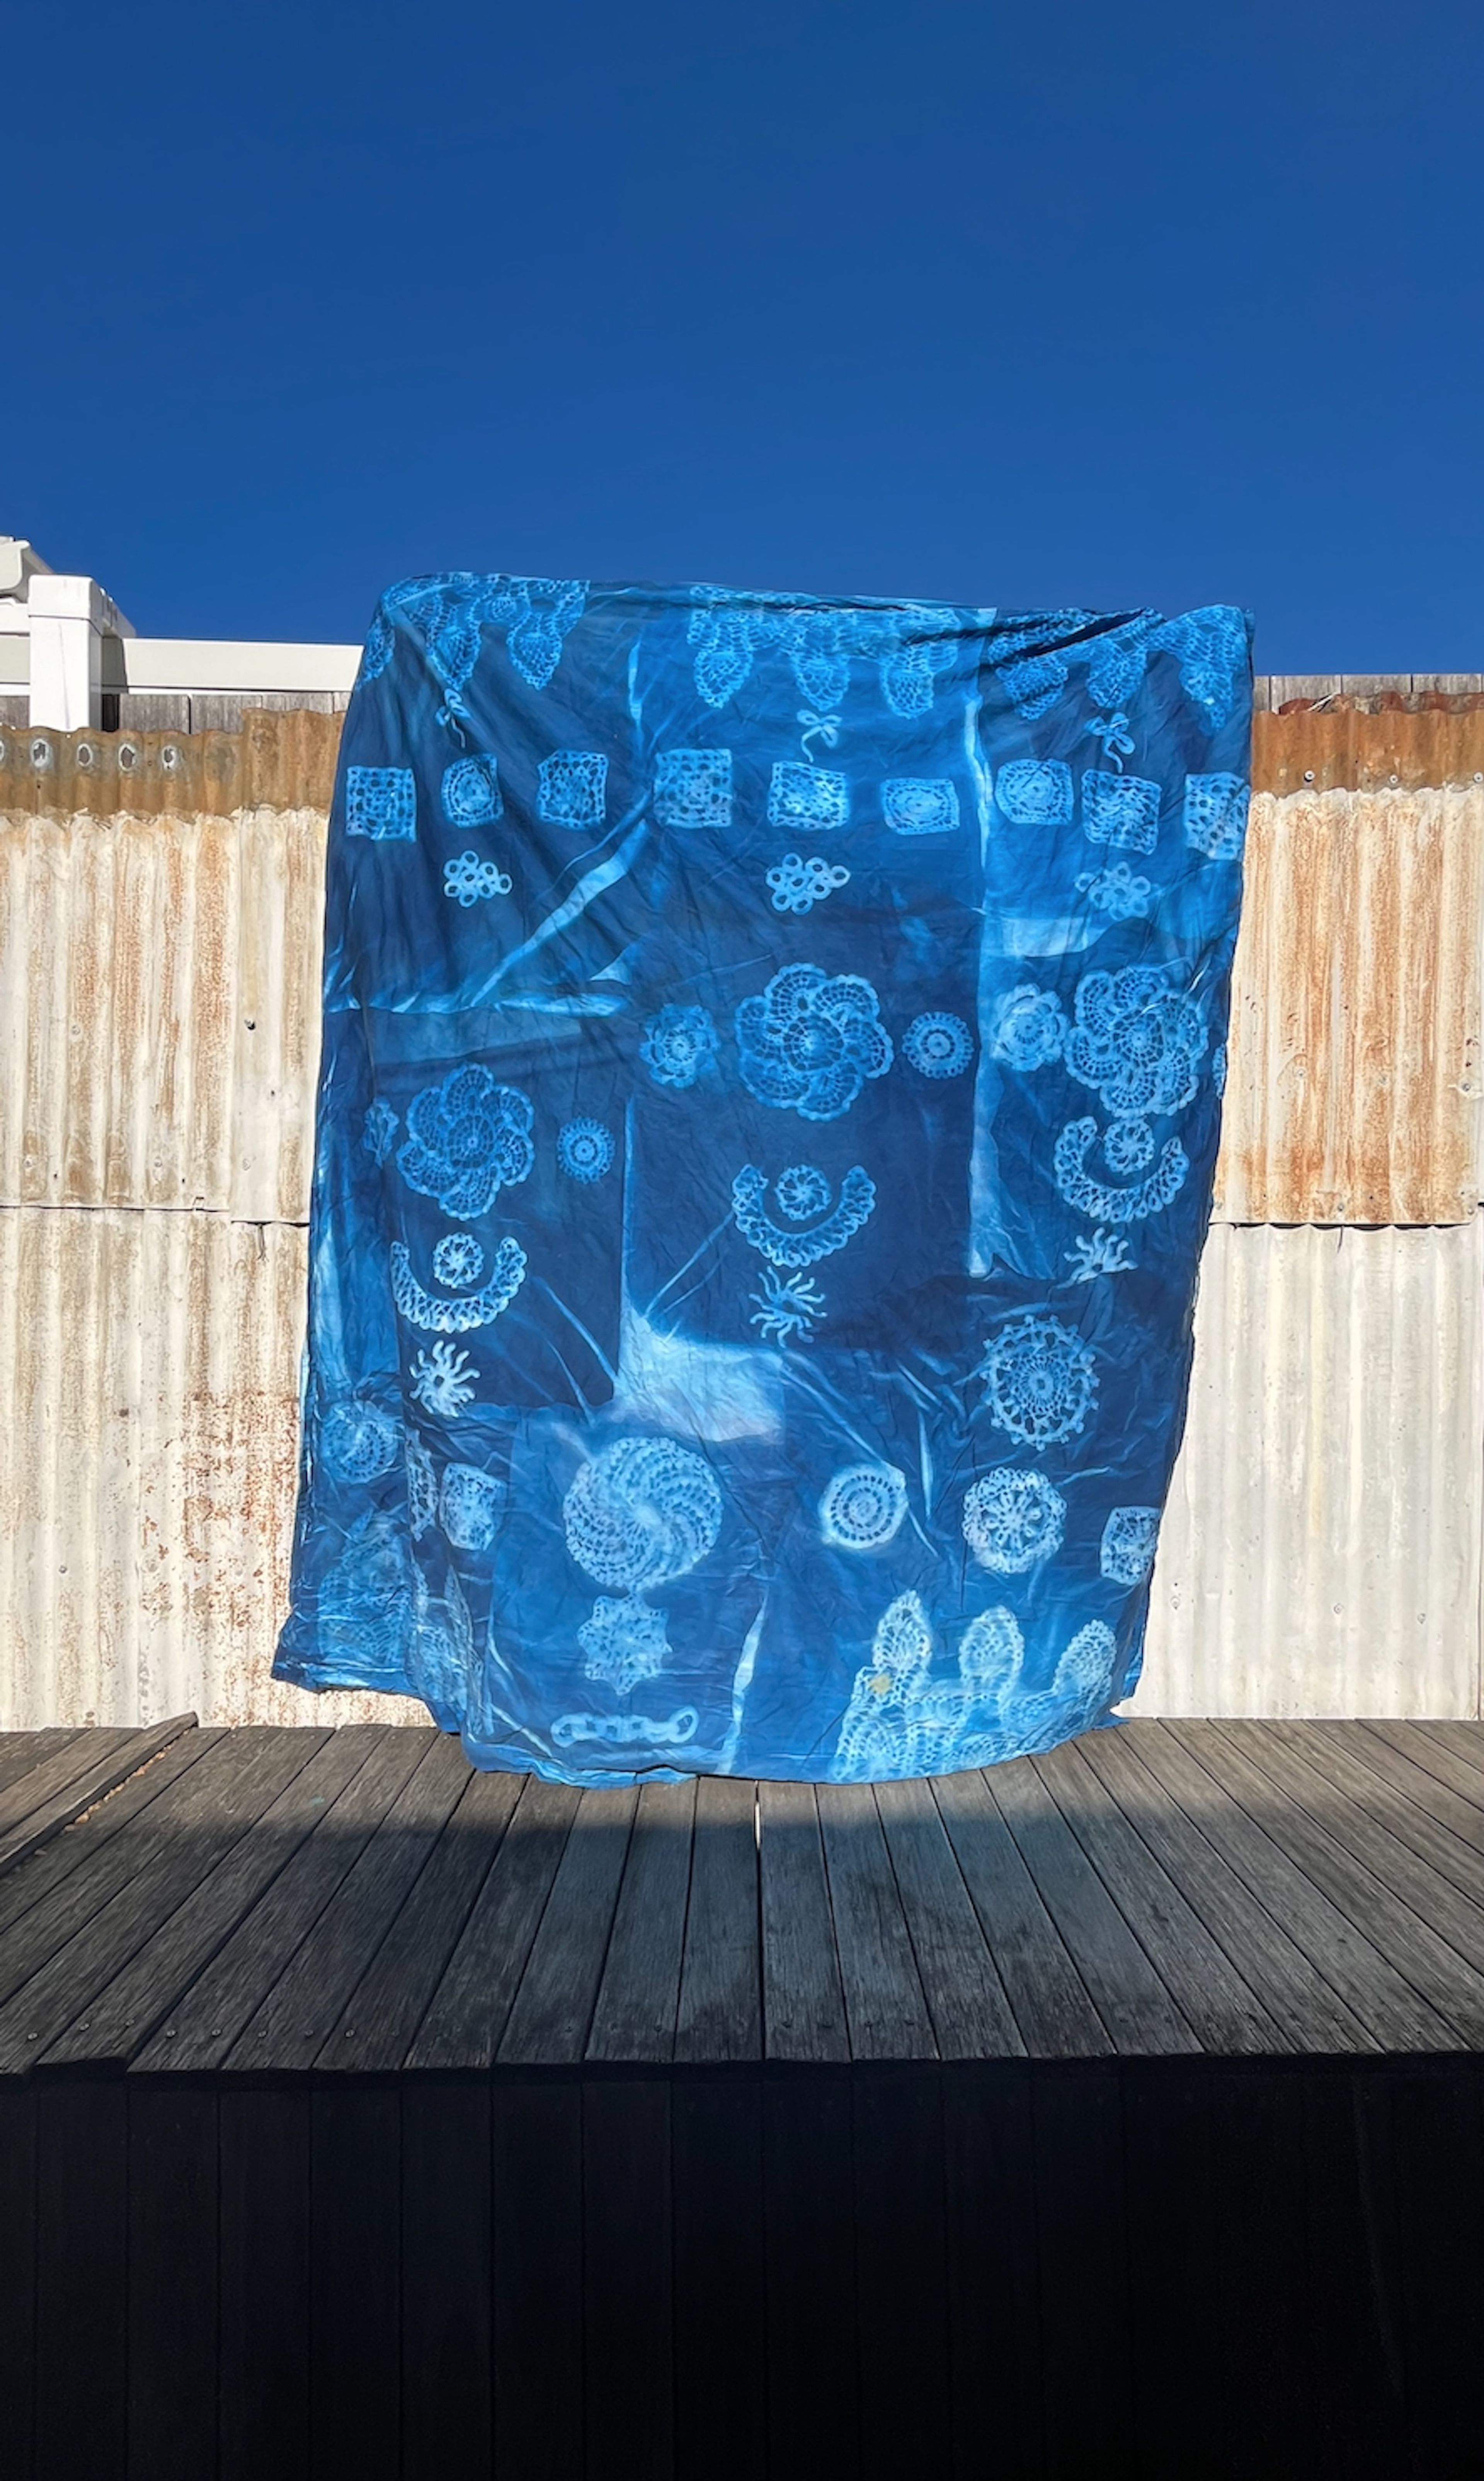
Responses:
[938,1045]
[1138,1039]
[679,1045]
[1029,1028]
[808,1043]
[1040,1381]
[468,1138]
[585,1149]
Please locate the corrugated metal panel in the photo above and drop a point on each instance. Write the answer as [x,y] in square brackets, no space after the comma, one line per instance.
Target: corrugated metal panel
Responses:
[285,759]
[1320,1552]
[148,1423]
[1353,1092]
[1321,1548]
[159,1022]
[160,918]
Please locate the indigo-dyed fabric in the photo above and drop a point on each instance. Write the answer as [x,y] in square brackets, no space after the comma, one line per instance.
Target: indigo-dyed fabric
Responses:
[772,1080]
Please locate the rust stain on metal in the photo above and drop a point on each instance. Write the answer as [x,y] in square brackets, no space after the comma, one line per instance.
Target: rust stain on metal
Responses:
[148,1458]
[1354,1078]
[285,762]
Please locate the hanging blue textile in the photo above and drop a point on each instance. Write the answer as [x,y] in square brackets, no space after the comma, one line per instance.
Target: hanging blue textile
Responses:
[772,1059]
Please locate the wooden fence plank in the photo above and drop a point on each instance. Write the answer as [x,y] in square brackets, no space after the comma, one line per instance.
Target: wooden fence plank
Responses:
[720,2312]
[82,2370]
[264,2138]
[537,2190]
[447,2298]
[355,2286]
[628,2303]
[173,2373]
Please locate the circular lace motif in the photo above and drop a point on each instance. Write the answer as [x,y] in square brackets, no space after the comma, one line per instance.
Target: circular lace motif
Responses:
[458,1260]
[357,1442]
[1013,1520]
[938,1045]
[643,1511]
[1129,1144]
[584,1149]
[1039,1379]
[801,1192]
[863,1506]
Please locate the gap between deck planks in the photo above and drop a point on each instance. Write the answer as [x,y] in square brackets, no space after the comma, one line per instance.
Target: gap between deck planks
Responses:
[361,1901]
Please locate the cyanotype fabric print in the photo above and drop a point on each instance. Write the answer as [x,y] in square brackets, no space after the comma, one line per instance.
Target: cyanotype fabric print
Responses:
[771,1082]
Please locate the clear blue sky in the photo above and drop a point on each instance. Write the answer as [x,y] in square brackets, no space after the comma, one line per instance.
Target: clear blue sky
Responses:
[991,301]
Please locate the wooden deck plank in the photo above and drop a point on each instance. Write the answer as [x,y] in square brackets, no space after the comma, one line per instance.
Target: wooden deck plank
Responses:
[82,1845]
[1463,1741]
[972,2018]
[1132,2000]
[1311,2016]
[804,2004]
[52,1773]
[639,1996]
[1416,1918]
[21,1751]
[304,2001]
[1443,1830]
[1200,1765]
[1225,2014]
[1053,2014]
[120,2017]
[720,1988]
[172,1848]
[551,2010]
[885,2009]
[205,2021]
[381,2014]
[47,1799]
[1446,1787]
[466,2015]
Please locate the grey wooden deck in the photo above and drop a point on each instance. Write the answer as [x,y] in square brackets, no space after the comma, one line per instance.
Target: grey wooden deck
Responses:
[259,1901]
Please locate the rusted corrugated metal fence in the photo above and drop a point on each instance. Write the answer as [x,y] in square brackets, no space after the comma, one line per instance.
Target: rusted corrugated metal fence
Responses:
[159,965]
